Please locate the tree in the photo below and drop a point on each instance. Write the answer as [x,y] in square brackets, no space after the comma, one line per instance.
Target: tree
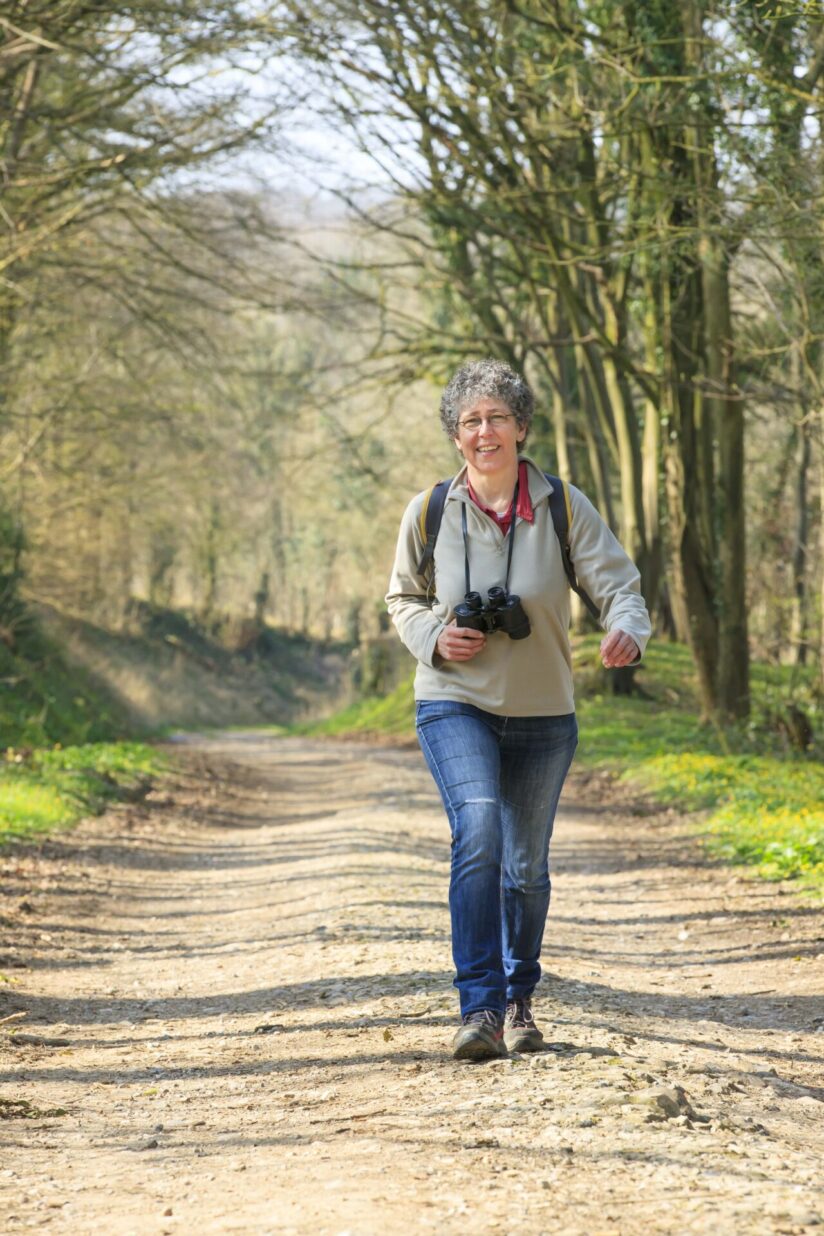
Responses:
[102,111]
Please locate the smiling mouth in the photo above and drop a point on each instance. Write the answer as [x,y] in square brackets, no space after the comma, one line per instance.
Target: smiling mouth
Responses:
[486,450]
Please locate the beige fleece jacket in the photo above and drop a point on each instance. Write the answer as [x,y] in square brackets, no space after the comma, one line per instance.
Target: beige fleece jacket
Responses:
[517,678]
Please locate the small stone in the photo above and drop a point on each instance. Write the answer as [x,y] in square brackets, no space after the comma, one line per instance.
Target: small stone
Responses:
[615,1100]
[669,1101]
[168,1211]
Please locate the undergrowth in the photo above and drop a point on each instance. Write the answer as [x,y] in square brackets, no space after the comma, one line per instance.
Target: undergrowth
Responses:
[45,700]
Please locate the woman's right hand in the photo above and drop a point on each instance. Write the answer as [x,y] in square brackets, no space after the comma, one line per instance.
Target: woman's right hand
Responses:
[460,643]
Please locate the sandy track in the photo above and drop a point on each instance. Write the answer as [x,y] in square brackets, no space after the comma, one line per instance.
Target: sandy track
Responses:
[252,972]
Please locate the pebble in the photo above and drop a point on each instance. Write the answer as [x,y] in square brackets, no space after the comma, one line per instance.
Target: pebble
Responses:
[664,1102]
[671,1100]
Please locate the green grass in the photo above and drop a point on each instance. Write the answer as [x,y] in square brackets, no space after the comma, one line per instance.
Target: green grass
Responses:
[762,810]
[60,758]
[756,802]
[390,714]
[46,789]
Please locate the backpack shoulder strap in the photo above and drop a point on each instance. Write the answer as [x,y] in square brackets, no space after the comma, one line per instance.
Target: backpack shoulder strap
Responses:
[560,508]
[430,523]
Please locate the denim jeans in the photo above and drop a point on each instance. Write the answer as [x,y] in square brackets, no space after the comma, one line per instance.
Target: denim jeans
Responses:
[500,779]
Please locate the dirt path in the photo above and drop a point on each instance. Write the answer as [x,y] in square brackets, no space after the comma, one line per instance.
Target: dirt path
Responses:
[252,975]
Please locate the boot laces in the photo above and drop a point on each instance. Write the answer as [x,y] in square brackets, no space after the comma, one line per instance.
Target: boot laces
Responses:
[483,1017]
[519,1014]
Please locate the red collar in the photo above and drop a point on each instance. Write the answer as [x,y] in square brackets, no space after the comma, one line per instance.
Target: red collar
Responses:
[524,511]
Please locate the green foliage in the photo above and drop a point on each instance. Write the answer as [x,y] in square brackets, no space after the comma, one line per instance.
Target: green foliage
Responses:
[761,809]
[389,714]
[46,789]
[45,701]
[760,803]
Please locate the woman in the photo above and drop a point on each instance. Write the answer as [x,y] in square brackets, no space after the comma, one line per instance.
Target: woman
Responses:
[495,714]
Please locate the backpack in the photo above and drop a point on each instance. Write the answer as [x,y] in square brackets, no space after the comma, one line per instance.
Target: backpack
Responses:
[560,510]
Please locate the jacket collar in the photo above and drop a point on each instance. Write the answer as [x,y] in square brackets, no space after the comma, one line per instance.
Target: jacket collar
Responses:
[539,486]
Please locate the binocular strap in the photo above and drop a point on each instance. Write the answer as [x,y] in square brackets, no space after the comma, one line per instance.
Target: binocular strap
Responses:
[511,541]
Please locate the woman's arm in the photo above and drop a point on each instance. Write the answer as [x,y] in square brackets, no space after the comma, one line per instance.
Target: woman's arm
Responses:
[407,599]
[612,580]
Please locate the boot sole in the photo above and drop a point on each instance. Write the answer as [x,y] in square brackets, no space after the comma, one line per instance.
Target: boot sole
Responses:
[477,1048]
[533,1040]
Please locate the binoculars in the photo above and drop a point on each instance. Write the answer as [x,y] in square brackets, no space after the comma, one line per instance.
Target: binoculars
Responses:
[502,612]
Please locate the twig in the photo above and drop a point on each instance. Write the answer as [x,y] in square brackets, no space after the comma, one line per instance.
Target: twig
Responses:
[13,1016]
[345,1119]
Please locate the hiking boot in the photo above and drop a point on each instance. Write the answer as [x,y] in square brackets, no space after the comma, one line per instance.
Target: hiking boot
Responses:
[520,1031]
[481,1037]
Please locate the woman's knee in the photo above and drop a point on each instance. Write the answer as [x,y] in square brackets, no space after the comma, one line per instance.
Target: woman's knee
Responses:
[526,864]
[527,878]
[476,830]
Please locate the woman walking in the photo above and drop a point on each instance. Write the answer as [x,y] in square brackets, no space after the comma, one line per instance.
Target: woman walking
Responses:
[493,689]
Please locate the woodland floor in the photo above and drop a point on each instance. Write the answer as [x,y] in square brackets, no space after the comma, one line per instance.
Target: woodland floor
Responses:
[237,1010]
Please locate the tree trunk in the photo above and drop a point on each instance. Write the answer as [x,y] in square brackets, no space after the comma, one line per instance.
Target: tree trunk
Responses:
[595,451]
[633,535]
[553,361]
[727,414]
[211,559]
[686,479]
[821,538]
[651,452]
[799,635]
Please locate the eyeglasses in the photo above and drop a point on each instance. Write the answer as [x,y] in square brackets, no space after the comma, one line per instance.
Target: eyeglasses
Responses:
[496,420]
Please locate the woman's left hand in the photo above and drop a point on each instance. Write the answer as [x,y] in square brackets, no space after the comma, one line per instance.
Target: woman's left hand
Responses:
[618,649]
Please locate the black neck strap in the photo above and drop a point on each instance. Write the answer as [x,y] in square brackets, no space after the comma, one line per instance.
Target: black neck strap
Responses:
[514,509]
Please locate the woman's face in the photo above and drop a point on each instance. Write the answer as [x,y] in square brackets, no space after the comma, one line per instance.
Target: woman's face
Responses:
[488,437]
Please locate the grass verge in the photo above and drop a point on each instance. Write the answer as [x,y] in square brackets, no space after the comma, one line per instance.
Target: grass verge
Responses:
[758,803]
[47,789]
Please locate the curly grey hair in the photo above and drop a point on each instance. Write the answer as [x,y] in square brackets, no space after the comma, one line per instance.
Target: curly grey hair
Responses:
[485,379]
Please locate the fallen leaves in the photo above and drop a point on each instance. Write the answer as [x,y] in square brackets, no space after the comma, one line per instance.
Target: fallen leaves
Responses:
[22,1109]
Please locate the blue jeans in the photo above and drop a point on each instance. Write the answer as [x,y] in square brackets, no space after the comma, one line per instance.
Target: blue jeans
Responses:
[500,779]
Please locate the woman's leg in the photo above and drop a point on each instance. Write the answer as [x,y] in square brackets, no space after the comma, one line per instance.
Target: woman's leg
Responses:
[460,745]
[535,757]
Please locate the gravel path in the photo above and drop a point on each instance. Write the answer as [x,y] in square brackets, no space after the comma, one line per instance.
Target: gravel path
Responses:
[238,1006]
